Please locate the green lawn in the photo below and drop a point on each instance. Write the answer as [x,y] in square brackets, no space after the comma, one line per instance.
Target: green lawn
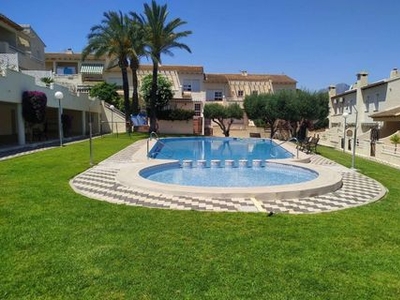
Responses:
[55,244]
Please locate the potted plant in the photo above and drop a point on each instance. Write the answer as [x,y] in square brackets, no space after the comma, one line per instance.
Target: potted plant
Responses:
[47,81]
[395,139]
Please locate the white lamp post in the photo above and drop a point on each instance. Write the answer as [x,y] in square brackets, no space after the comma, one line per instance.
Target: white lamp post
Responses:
[90,135]
[354,140]
[345,115]
[59,95]
[112,107]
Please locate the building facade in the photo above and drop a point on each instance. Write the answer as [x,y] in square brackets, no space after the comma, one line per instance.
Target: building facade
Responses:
[24,65]
[366,116]
[22,62]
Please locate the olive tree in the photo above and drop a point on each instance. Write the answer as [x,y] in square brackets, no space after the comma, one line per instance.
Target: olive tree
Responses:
[222,115]
[296,109]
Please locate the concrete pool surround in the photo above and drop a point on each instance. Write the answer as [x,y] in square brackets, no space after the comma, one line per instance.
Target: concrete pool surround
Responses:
[118,180]
[327,181]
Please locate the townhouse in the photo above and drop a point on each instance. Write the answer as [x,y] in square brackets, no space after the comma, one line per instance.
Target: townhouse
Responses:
[366,116]
[24,64]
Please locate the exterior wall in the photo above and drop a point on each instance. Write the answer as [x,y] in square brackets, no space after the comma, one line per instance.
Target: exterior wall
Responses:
[175,127]
[112,120]
[20,43]
[276,87]
[13,84]
[363,101]
[8,116]
[211,88]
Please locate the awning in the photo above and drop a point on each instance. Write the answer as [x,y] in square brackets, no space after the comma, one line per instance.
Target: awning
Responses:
[92,68]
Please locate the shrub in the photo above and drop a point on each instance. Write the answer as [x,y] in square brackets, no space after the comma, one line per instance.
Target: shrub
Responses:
[34,106]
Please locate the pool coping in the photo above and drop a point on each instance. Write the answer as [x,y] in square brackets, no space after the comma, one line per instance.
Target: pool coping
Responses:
[327,181]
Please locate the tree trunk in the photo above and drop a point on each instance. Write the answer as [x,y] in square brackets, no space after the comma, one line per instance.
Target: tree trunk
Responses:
[135,94]
[153,98]
[125,87]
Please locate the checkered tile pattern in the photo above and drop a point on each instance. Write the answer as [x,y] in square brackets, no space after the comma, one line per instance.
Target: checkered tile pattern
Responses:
[99,183]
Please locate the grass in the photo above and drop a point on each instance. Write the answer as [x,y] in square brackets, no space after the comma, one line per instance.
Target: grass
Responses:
[55,244]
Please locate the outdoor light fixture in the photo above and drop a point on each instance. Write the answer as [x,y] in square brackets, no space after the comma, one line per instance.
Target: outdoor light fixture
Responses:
[345,115]
[112,107]
[354,140]
[90,134]
[59,95]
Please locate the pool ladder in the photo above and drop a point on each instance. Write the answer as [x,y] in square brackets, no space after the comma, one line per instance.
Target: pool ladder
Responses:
[153,135]
[289,140]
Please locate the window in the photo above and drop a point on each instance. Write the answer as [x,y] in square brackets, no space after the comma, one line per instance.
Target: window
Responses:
[218,95]
[197,109]
[214,95]
[191,85]
[240,93]
[67,70]
[376,103]
[255,93]
[367,105]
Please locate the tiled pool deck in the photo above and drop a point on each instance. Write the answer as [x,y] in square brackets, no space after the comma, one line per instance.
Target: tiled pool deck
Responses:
[100,182]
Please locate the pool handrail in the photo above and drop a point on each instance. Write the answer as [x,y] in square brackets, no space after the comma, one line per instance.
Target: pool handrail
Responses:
[289,140]
[152,135]
[156,137]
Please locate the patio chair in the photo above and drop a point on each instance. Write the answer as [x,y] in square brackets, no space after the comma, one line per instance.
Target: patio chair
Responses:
[312,145]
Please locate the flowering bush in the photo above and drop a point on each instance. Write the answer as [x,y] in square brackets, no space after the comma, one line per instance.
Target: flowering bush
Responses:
[34,106]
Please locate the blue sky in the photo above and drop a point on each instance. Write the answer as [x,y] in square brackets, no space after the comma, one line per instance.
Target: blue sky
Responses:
[315,42]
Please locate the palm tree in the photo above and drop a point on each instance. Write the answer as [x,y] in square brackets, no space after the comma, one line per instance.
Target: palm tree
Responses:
[160,39]
[137,50]
[112,38]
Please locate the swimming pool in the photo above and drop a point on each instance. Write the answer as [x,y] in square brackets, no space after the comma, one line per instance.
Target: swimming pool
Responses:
[217,148]
[130,175]
[223,162]
[269,174]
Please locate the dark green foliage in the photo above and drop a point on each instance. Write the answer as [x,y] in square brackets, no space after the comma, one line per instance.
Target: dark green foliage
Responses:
[107,92]
[160,38]
[163,94]
[260,123]
[47,80]
[34,106]
[222,115]
[288,105]
[112,39]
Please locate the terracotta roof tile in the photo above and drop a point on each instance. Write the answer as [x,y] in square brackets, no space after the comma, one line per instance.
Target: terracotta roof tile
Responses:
[218,78]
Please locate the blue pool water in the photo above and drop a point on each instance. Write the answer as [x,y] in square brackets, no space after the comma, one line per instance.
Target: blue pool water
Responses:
[268,175]
[209,148]
[203,152]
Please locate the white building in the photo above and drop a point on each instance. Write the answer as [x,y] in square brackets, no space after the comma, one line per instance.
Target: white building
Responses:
[24,63]
[371,113]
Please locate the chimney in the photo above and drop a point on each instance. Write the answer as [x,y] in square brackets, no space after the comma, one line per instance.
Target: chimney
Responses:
[244,73]
[394,73]
[69,51]
[332,91]
[362,79]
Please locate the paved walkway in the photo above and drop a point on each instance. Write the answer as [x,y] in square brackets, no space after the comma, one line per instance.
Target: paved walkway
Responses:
[99,182]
